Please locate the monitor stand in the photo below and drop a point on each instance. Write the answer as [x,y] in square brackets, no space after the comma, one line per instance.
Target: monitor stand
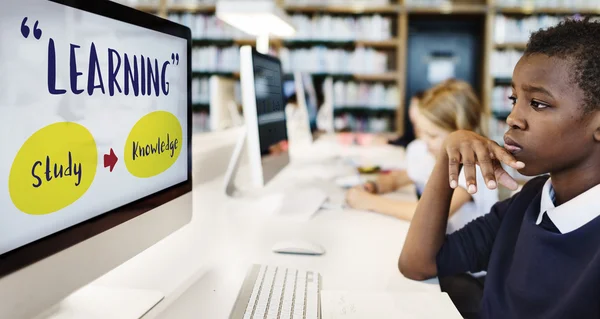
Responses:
[234,165]
[99,302]
[297,203]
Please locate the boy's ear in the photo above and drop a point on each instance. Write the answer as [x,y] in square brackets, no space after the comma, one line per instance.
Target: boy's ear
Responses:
[596,126]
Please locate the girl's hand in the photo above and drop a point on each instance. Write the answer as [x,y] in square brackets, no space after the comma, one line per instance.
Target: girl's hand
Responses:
[468,149]
[358,198]
[370,187]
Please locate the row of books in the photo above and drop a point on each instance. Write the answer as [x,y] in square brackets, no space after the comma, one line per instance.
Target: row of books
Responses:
[216,59]
[320,59]
[427,3]
[200,90]
[191,2]
[314,60]
[354,94]
[500,100]
[503,63]
[572,4]
[518,30]
[360,123]
[575,4]
[342,28]
[200,122]
[318,27]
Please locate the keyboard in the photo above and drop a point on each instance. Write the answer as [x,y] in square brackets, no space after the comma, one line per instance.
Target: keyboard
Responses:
[279,293]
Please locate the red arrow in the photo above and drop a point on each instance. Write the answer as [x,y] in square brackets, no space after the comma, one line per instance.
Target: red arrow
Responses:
[110,160]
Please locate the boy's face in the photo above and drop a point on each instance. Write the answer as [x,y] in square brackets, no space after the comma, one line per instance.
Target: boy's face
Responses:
[547,129]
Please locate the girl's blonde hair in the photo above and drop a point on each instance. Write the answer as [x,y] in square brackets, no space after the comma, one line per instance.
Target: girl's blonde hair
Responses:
[453,105]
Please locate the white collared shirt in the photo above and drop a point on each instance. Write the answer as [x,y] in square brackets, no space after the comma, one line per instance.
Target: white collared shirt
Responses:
[570,215]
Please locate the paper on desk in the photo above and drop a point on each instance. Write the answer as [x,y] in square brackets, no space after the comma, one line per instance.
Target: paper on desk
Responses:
[382,305]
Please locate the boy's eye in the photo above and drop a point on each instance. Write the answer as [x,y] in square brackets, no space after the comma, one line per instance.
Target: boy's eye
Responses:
[538,105]
[513,99]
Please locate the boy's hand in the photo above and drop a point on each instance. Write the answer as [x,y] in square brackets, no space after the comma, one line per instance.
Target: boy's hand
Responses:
[469,149]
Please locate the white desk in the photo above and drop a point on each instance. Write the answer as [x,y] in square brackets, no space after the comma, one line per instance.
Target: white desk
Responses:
[201,267]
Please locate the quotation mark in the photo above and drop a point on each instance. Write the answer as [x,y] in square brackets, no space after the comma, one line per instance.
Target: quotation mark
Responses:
[175,58]
[37,33]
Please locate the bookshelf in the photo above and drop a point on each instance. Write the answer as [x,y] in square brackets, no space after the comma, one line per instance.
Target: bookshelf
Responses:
[500,52]
[529,10]
[150,8]
[188,8]
[511,26]
[511,45]
[459,8]
[344,9]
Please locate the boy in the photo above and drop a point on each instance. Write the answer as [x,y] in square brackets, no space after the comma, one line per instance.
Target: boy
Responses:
[540,248]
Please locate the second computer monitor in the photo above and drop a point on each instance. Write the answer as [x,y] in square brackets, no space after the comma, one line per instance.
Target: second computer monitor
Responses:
[264,114]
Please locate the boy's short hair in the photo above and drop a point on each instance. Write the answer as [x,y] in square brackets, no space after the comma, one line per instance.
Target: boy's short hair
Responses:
[577,41]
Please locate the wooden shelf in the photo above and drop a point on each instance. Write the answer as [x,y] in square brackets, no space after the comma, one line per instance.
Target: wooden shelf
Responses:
[452,9]
[235,75]
[508,45]
[363,109]
[383,44]
[391,43]
[385,77]
[382,77]
[147,8]
[272,42]
[343,9]
[182,8]
[201,106]
[540,10]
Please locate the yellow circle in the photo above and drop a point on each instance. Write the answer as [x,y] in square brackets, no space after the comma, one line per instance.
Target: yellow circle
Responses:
[53,168]
[153,145]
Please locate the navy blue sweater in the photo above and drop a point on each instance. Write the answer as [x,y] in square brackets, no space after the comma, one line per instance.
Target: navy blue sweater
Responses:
[531,272]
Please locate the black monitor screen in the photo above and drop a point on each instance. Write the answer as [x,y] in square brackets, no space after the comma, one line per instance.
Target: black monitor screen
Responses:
[270,104]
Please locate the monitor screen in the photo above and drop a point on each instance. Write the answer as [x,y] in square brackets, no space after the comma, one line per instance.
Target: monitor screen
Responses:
[311,99]
[270,105]
[289,89]
[310,96]
[95,120]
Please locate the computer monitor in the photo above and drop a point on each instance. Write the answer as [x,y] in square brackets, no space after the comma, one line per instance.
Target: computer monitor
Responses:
[305,84]
[325,116]
[95,133]
[264,114]
[300,112]
[266,137]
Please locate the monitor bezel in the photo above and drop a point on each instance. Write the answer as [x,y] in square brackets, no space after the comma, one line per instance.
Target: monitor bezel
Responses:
[45,247]
[259,175]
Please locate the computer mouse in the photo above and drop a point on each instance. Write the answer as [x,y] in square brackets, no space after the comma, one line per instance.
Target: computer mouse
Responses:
[298,247]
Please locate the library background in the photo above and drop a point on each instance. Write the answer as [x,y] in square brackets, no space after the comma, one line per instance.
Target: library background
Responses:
[367,58]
